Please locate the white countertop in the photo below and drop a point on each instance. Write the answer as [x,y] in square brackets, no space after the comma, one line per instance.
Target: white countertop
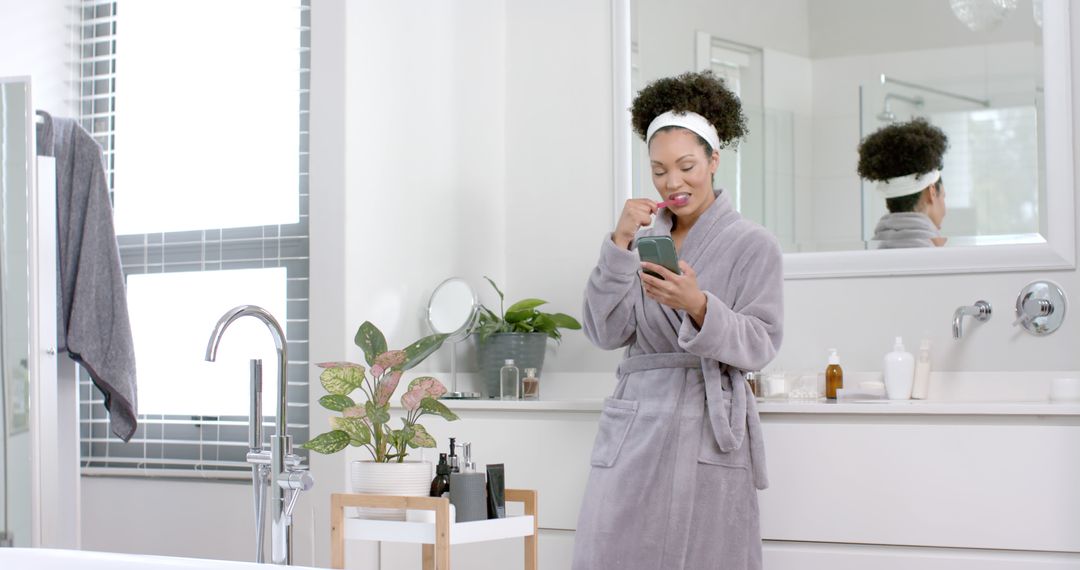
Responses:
[880,407]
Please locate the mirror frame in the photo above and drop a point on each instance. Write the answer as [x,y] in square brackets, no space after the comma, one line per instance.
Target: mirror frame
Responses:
[1057,253]
[466,328]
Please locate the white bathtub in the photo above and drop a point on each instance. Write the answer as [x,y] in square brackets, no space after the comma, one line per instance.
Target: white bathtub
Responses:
[47,559]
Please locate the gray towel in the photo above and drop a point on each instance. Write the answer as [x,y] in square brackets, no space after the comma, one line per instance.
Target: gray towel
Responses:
[93,323]
[905,229]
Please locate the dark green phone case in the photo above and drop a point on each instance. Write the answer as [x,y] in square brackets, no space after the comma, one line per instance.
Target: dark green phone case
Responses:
[659,250]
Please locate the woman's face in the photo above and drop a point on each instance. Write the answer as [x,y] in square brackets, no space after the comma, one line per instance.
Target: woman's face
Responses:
[679,166]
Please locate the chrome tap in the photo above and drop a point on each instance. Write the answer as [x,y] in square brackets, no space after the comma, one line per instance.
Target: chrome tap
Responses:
[279,467]
[981,311]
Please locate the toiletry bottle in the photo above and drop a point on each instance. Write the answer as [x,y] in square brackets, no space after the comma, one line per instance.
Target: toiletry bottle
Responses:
[834,375]
[530,385]
[441,483]
[468,493]
[453,456]
[509,388]
[899,372]
[921,388]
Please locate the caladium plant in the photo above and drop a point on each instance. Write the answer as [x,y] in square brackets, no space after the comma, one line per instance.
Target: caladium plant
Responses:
[365,422]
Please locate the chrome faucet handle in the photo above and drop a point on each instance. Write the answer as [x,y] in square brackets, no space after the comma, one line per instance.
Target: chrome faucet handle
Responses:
[1040,307]
[1031,309]
[294,482]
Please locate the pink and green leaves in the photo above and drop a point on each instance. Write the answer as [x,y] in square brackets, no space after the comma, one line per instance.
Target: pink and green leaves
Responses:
[371,340]
[336,402]
[384,390]
[419,389]
[341,378]
[366,423]
[421,438]
[358,431]
[329,442]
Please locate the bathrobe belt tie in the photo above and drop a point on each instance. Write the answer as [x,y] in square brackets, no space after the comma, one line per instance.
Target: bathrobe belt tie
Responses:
[729,429]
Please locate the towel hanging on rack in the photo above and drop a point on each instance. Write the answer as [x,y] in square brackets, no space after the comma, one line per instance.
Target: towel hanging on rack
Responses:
[93,324]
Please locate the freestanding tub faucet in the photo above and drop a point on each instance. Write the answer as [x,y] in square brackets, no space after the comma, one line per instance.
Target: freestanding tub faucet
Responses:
[283,468]
[981,311]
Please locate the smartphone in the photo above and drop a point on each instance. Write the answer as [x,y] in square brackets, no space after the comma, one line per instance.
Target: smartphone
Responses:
[659,250]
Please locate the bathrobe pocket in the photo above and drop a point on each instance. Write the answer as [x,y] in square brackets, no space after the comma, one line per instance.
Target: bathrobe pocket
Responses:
[710,452]
[615,421]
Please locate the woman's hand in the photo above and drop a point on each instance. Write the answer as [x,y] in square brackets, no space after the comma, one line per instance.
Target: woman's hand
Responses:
[637,212]
[676,291]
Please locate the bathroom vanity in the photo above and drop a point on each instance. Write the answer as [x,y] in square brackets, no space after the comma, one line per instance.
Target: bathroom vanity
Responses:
[938,484]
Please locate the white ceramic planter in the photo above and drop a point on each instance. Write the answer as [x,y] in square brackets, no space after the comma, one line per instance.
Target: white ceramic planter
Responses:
[410,479]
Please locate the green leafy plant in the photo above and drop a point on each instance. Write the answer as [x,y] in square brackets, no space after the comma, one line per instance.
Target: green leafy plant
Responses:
[522,317]
[366,422]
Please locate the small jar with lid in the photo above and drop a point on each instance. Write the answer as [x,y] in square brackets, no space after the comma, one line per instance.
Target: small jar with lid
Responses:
[530,385]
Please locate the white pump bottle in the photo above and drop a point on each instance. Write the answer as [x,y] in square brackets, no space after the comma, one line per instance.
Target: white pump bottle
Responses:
[899,372]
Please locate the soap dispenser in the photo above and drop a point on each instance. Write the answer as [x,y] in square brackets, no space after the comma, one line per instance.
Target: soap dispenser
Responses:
[921,387]
[834,375]
[899,372]
[468,489]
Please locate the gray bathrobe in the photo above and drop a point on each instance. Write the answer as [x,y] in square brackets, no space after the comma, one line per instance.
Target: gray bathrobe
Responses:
[905,229]
[679,455]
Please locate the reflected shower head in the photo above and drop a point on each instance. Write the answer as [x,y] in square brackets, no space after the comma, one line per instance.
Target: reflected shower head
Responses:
[887,116]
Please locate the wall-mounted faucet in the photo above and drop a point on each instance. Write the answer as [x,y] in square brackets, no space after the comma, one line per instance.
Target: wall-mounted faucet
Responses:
[278,467]
[980,310]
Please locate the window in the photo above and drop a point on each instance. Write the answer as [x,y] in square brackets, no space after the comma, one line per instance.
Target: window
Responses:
[202,115]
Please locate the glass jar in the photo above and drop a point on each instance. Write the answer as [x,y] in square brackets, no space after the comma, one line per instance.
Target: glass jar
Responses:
[509,383]
[530,385]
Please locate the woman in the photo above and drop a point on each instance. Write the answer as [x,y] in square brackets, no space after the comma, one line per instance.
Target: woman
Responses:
[906,161]
[679,450]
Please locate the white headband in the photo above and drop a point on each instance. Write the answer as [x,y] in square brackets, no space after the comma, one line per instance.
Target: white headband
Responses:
[688,120]
[906,185]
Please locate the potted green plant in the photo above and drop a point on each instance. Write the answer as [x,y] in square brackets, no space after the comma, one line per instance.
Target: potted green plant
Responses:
[519,332]
[363,402]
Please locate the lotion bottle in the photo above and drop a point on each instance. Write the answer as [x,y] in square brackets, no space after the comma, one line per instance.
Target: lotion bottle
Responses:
[899,372]
[834,375]
[921,388]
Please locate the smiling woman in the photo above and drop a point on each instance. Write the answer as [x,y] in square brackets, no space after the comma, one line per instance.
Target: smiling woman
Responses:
[682,416]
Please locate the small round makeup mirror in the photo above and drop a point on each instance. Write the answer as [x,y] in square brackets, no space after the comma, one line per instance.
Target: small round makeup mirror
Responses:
[452,311]
[452,308]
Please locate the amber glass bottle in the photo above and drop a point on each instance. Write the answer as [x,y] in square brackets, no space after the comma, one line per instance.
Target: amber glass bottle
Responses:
[834,375]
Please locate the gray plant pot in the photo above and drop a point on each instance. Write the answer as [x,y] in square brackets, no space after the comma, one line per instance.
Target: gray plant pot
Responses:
[527,350]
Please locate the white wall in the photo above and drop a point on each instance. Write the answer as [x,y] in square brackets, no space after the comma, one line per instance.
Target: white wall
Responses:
[200,519]
[851,27]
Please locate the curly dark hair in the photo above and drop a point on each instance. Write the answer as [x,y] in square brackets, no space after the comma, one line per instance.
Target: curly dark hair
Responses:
[703,93]
[915,147]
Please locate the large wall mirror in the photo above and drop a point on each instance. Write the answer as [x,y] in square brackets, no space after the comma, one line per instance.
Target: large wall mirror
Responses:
[818,76]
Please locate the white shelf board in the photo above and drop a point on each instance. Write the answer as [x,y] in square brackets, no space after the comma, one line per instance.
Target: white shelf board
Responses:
[424,533]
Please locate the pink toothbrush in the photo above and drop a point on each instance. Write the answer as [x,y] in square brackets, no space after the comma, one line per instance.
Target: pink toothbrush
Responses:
[678,200]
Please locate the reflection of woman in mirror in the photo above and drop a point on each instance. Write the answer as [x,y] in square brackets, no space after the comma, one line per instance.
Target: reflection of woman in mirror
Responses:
[906,160]
[679,457]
